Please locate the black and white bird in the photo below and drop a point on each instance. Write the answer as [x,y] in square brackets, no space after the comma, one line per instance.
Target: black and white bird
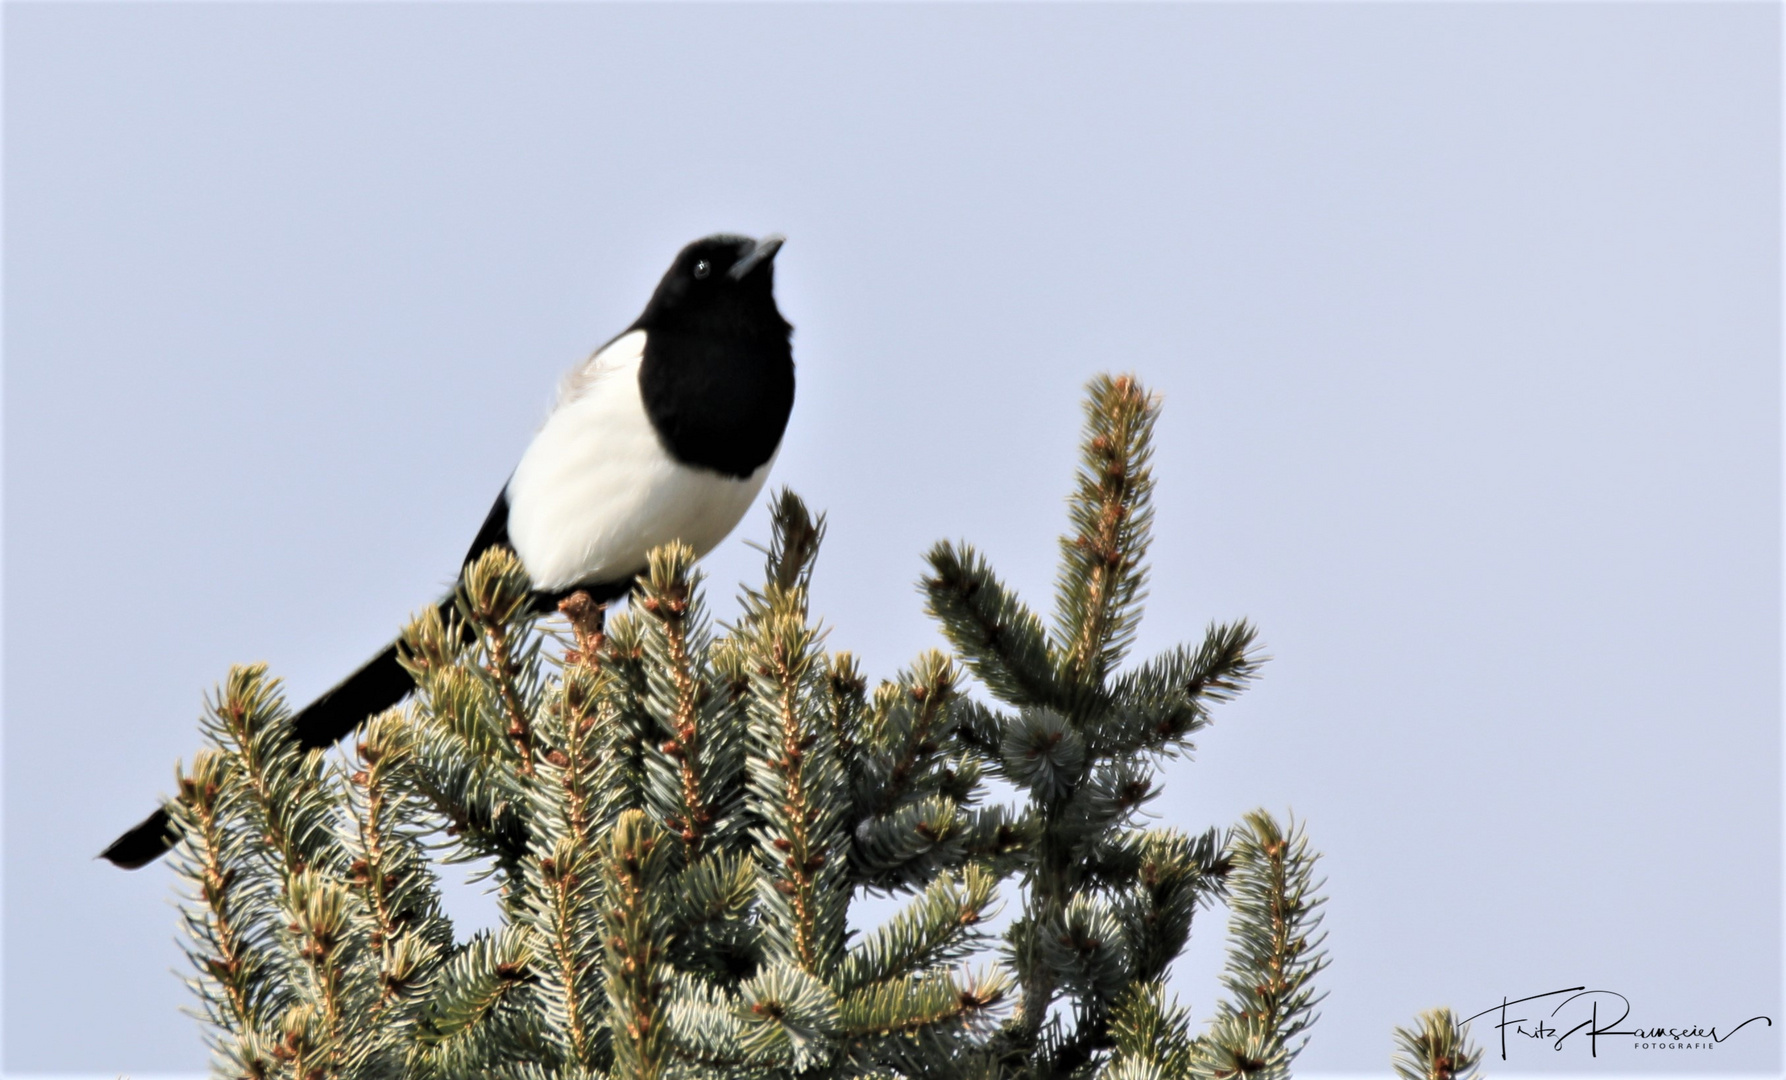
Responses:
[666,433]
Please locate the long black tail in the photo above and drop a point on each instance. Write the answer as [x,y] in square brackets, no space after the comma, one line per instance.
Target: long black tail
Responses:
[143,844]
[379,683]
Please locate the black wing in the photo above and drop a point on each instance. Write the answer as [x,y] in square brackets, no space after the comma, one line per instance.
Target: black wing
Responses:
[495,532]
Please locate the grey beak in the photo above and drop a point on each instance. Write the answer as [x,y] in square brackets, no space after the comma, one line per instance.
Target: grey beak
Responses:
[763,251]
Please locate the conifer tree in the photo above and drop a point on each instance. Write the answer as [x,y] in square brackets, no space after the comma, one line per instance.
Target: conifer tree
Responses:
[677,815]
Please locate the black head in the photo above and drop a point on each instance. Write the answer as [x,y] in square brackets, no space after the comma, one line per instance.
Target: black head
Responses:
[721,285]
[717,376]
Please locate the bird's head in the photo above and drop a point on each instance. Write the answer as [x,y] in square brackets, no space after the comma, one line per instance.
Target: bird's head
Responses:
[719,284]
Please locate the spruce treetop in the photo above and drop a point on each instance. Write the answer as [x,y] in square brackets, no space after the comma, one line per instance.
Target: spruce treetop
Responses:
[677,813]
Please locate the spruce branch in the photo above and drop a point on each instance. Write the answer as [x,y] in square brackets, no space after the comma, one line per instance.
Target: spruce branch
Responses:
[289,805]
[712,932]
[942,926]
[1103,572]
[912,844]
[1436,1048]
[712,1035]
[796,785]
[904,732]
[1043,753]
[1274,954]
[303,1045]
[1105,800]
[1173,876]
[396,888]
[563,898]
[575,796]
[1085,946]
[318,906]
[477,1014]
[1167,699]
[796,534]
[692,773]
[494,597]
[845,702]
[638,977]
[286,800]
[632,725]
[458,758]
[908,848]
[790,1017]
[228,917]
[1000,639]
[580,789]
[979,729]
[933,1005]
[1152,1036]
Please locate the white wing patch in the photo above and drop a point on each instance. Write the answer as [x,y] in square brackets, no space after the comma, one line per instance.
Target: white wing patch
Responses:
[623,352]
[596,489]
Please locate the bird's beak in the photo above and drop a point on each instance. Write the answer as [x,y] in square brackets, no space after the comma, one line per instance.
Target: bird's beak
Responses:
[761,252]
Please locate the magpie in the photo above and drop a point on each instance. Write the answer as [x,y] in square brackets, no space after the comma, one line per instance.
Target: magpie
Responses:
[665,433]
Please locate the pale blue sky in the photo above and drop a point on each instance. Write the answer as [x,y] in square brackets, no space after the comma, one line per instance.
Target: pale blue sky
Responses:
[1466,317]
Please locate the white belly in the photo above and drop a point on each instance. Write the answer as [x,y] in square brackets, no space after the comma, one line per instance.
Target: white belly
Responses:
[596,490]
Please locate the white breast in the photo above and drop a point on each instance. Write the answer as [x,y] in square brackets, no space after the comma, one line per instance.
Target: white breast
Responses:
[596,490]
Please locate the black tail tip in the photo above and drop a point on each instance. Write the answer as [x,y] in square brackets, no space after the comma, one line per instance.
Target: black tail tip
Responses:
[142,845]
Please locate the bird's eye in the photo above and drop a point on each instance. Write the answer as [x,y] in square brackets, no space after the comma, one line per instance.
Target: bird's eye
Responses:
[703,268]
